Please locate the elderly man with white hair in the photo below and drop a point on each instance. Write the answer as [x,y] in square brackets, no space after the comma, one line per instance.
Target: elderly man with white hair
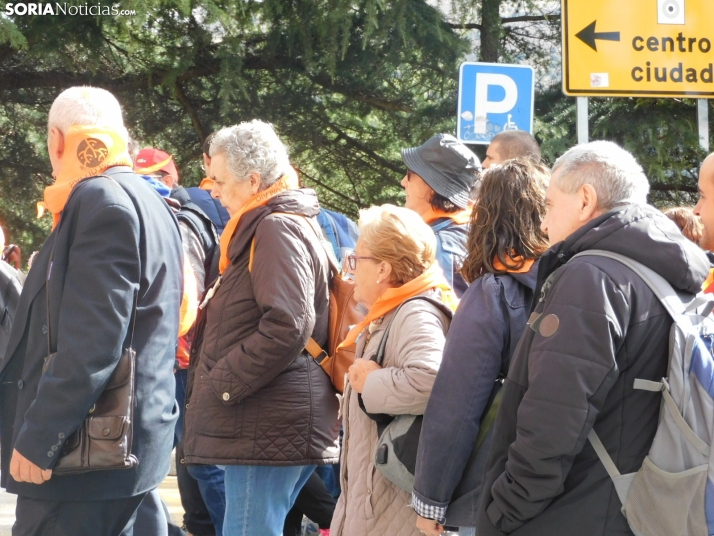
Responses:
[108,278]
[258,403]
[596,327]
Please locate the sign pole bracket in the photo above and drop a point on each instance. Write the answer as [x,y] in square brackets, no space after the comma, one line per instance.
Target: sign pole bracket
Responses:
[703,123]
[582,119]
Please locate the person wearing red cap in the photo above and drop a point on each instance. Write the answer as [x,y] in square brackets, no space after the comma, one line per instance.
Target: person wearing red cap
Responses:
[204,513]
[158,165]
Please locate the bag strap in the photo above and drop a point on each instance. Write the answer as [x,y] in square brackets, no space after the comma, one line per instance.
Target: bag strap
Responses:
[383,419]
[381,349]
[671,300]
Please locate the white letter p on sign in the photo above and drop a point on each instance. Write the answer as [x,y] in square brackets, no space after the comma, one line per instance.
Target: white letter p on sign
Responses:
[485,106]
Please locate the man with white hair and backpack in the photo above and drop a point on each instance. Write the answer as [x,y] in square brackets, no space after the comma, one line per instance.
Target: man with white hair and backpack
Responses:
[591,424]
[87,400]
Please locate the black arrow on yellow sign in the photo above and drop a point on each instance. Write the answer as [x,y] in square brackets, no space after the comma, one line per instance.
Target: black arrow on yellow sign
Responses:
[588,35]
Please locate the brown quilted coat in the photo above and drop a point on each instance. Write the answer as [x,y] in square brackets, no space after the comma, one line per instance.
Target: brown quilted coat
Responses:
[254,396]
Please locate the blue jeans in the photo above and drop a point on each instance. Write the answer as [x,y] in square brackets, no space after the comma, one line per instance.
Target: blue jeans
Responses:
[213,490]
[258,497]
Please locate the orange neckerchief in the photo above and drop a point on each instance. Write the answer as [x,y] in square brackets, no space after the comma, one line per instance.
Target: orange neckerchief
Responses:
[460,217]
[708,286]
[394,297]
[88,151]
[527,265]
[207,184]
[258,200]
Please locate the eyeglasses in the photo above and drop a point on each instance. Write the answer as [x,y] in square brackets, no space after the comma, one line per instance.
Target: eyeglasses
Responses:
[352,261]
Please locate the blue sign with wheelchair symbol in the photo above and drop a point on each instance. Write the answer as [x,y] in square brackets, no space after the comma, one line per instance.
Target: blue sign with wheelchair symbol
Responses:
[493,97]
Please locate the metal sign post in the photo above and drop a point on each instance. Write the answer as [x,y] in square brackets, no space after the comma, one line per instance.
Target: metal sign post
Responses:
[703,122]
[582,111]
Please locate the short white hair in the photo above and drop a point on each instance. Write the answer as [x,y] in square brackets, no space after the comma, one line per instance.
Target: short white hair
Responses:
[613,172]
[252,147]
[85,105]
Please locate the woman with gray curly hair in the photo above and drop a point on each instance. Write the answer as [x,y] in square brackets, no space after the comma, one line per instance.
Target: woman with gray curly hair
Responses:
[257,402]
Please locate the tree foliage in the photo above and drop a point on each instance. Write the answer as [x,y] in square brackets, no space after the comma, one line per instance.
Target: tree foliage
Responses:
[346,83]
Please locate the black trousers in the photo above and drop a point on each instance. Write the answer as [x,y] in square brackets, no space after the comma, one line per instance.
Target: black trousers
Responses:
[196,518]
[313,501]
[35,517]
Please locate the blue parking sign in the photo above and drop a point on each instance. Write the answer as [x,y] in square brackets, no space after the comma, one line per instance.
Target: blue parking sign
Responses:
[493,97]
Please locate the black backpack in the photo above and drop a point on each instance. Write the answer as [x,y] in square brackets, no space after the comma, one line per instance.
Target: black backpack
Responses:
[10,289]
[204,228]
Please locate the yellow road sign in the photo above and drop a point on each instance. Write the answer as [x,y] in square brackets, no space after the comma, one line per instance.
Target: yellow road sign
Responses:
[645,48]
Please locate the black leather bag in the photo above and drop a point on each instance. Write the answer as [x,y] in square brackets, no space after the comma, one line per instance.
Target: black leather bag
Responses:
[104,440]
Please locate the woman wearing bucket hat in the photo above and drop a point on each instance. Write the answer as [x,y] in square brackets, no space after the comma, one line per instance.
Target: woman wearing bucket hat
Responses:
[440,176]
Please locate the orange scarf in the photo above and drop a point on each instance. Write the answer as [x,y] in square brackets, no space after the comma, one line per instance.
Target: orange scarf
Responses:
[708,286]
[260,199]
[460,217]
[88,151]
[207,184]
[527,265]
[394,297]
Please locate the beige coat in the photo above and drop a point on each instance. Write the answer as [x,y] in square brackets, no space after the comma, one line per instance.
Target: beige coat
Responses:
[370,505]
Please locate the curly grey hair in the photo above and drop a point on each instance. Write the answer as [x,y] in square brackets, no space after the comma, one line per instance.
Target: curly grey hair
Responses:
[252,147]
[613,172]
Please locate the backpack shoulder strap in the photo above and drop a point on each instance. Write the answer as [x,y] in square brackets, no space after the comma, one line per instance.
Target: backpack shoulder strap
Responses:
[674,303]
[379,356]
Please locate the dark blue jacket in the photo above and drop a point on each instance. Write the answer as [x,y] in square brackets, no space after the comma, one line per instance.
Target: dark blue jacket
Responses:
[117,237]
[212,207]
[483,336]
[451,251]
[339,230]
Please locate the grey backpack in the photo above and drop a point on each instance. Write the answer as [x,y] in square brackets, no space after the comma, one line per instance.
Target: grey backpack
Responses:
[396,452]
[673,492]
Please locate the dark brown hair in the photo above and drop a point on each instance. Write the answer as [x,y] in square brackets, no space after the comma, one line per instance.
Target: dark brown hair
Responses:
[505,223]
[687,221]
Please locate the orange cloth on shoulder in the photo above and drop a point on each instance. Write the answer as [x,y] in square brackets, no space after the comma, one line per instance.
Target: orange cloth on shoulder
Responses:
[527,265]
[287,182]
[708,286]
[460,217]
[88,151]
[394,297]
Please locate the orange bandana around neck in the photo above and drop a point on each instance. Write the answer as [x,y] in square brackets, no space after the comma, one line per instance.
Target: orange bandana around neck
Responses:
[460,217]
[708,286]
[527,265]
[88,151]
[394,297]
[207,184]
[260,199]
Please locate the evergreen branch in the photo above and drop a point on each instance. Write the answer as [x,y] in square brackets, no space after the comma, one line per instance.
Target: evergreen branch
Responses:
[191,111]
[507,20]
[325,186]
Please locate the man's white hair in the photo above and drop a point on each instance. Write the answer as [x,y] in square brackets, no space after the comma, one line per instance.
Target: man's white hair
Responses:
[613,172]
[85,105]
[252,147]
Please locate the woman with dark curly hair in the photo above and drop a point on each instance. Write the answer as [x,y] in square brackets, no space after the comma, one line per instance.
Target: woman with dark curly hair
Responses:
[504,244]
